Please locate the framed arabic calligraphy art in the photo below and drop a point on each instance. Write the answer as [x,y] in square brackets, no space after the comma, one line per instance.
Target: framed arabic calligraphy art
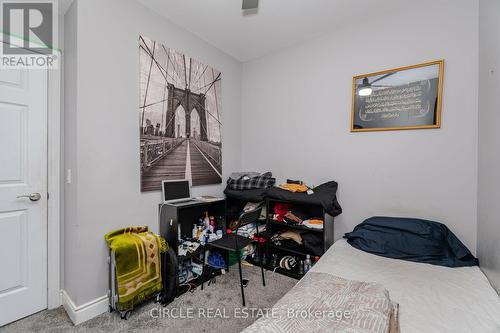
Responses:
[397,99]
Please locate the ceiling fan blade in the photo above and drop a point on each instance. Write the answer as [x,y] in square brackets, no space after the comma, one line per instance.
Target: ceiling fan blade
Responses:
[382,77]
[249,4]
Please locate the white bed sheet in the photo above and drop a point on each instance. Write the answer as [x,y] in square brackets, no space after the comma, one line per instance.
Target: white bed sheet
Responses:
[431,298]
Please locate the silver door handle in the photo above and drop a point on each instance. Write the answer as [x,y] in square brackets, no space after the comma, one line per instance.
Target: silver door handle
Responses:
[31,196]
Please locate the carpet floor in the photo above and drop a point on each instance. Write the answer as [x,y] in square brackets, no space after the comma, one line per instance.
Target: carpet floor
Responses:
[217,308]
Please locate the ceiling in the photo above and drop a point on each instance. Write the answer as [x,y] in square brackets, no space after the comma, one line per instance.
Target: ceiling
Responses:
[277,25]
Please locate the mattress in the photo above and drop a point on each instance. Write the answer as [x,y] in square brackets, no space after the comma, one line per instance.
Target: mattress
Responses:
[431,298]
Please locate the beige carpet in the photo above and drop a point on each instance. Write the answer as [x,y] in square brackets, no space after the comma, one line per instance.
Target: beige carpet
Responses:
[220,301]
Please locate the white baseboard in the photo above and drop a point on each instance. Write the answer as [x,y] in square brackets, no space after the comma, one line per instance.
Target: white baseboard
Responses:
[84,312]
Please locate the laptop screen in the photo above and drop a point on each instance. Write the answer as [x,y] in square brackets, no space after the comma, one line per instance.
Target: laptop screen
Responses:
[176,189]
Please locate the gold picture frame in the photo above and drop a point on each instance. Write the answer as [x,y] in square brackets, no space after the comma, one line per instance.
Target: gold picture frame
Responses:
[400,104]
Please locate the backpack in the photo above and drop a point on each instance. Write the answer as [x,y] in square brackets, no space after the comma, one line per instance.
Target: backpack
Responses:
[169,276]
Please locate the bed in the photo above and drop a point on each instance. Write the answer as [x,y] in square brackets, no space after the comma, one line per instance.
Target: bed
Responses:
[431,298]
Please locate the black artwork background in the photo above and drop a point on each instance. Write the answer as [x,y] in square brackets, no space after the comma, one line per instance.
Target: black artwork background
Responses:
[428,98]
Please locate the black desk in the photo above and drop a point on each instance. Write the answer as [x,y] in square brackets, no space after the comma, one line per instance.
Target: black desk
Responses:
[179,218]
[183,216]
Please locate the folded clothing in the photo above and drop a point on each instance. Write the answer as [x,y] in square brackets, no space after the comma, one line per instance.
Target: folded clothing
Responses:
[247,230]
[289,234]
[280,209]
[248,181]
[248,174]
[324,195]
[291,218]
[249,206]
[286,213]
[313,242]
[411,239]
[315,223]
[295,187]
[255,195]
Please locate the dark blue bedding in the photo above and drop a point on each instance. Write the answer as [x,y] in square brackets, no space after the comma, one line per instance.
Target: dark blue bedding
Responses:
[411,239]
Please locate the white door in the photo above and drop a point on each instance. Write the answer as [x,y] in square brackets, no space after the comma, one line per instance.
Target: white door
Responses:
[23,171]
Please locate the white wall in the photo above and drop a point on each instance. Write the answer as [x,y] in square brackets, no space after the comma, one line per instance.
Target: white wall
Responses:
[296,118]
[70,274]
[488,235]
[102,130]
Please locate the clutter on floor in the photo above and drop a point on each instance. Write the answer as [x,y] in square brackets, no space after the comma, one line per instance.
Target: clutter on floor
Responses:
[236,243]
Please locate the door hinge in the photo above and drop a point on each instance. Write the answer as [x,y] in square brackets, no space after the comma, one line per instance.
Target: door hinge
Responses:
[48,196]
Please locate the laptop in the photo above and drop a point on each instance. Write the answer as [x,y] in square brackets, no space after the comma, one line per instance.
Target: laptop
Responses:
[176,191]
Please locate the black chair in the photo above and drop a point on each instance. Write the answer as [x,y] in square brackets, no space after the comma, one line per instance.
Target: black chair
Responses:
[235,242]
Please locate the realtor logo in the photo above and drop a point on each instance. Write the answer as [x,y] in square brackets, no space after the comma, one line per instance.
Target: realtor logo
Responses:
[28,34]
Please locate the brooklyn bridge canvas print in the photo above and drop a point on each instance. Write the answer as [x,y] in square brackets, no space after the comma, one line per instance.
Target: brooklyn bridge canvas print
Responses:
[180,117]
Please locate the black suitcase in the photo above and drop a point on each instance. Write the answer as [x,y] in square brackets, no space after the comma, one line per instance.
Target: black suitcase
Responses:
[169,273]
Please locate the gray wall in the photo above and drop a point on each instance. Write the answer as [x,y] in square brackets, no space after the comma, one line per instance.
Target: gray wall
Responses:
[102,130]
[488,235]
[296,118]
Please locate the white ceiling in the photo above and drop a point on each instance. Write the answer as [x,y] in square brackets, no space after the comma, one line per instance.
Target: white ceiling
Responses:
[278,23]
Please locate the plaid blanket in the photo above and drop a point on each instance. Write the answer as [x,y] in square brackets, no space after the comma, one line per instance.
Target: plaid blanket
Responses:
[244,182]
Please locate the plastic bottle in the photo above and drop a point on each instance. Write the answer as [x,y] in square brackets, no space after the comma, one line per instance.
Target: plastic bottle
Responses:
[206,221]
[221,224]
[195,231]
[307,264]
[274,260]
[301,267]
[212,224]
[203,237]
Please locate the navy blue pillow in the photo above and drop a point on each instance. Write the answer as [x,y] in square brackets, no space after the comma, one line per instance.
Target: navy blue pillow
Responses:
[411,239]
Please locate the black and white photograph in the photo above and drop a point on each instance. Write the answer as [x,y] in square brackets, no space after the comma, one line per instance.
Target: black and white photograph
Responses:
[180,117]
